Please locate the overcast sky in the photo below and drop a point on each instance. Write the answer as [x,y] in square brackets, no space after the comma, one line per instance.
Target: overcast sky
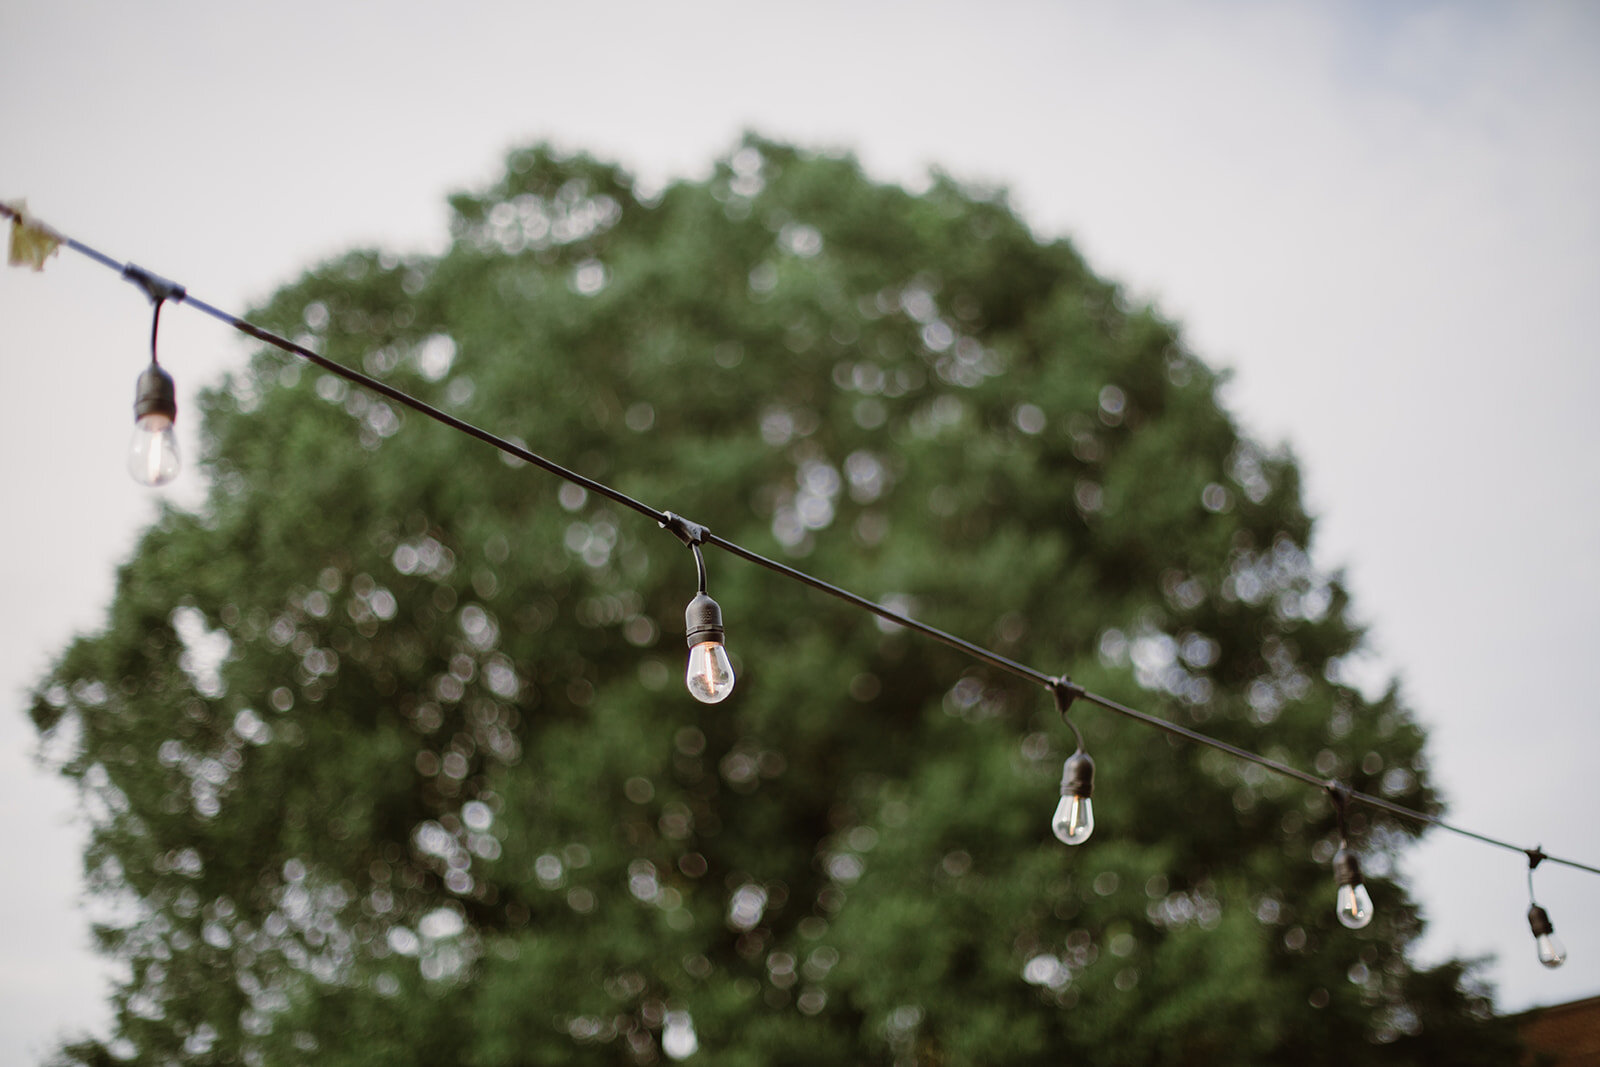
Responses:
[1383,217]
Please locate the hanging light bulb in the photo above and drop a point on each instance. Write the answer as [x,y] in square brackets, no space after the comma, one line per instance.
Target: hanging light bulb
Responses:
[153,452]
[1552,953]
[710,675]
[1354,903]
[1074,818]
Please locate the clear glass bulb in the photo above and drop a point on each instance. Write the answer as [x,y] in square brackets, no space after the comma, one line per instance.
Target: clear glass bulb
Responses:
[1354,906]
[1552,953]
[1074,819]
[678,1038]
[710,675]
[153,452]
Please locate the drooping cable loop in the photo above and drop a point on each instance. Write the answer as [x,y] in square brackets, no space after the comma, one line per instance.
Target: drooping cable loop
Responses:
[155,328]
[1065,692]
[1536,856]
[1339,796]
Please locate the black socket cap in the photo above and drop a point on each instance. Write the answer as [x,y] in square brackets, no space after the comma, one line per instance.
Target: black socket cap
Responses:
[1346,867]
[154,394]
[702,620]
[1077,776]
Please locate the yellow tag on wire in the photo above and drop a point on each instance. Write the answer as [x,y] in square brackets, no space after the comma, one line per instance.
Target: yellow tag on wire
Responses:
[32,242]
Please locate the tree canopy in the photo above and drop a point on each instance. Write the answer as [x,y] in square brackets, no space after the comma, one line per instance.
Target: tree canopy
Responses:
[388,755]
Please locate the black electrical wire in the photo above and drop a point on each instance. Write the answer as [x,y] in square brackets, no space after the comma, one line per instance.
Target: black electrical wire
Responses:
[696,535]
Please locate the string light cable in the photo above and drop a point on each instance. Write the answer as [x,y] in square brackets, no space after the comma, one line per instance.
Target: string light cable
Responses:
[709,675]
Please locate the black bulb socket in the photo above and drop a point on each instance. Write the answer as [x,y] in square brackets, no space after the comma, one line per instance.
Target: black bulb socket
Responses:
[1346,868]
[154,394]
[1077,776]
[1539,921]
[702,621]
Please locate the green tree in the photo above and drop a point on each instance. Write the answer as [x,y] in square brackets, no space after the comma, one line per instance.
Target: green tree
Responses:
[387,754]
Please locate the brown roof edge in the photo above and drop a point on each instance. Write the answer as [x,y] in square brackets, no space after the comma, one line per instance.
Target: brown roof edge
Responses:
[1586,1004]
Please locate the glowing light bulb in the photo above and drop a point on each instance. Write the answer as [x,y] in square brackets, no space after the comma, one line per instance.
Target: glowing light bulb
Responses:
[153,452]
[1552,953]
[710,674]
[1353,904]
[1074,818]
[678,1038]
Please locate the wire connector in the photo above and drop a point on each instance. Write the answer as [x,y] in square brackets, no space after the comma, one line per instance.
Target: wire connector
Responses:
[690,533]
[1065,690]
[154,285]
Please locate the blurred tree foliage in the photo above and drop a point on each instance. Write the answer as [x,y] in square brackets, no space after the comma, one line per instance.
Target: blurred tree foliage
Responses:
[389,757]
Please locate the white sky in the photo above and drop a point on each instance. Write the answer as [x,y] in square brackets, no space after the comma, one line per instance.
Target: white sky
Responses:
[1383,216]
